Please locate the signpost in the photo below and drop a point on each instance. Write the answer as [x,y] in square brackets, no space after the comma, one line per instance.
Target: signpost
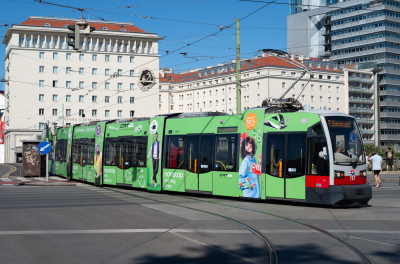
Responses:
[44,149]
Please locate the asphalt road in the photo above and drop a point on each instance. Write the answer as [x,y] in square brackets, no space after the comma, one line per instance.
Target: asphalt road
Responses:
[112,225]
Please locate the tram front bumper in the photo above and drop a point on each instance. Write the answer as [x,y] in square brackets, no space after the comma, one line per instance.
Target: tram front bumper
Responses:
[339,194]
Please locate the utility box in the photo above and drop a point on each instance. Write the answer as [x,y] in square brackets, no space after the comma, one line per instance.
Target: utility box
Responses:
[33,163]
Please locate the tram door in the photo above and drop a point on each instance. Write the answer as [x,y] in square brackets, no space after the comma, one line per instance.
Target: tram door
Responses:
[285,165]
[124,160]
[199,158]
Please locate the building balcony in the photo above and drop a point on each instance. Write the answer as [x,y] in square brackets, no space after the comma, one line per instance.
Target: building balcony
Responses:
[386,92]
[358,90]
[389,103]
[372,142]
[361,111]
[365,121]
[356,79]
[363,101]
[389,137]
[389,126]
[389,114]
[367,131]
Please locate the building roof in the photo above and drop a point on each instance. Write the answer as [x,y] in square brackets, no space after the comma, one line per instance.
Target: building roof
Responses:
[245,65]
[61,22]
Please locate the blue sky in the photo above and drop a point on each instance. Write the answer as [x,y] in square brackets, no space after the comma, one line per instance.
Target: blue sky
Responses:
[263,29]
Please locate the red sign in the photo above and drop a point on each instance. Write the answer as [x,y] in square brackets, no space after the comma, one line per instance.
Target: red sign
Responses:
[256,169]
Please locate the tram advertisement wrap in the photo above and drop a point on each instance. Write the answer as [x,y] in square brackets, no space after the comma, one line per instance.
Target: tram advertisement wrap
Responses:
[98,154]
[154,179]
[250,184]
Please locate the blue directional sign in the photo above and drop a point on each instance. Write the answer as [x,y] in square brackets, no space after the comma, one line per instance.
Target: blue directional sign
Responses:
[352,137]
[44,147]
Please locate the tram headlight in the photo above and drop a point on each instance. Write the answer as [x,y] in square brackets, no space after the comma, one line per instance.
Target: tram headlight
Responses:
[363,173]
[339,174]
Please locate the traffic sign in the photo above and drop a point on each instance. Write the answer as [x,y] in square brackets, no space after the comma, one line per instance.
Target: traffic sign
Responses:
[44,147]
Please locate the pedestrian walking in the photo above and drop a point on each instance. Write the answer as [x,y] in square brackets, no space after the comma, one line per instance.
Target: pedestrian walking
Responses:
[377,163]
[389,159]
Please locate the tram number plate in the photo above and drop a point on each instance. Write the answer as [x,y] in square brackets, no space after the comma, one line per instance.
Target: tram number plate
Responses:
[256,169]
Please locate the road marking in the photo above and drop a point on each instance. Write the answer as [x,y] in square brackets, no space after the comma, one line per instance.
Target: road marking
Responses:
[57,178]
[218,249]
[40,179]
[5,179]
[364,231]
[373,241]
[100,231]
[213,231]
[22,179]
[7,185]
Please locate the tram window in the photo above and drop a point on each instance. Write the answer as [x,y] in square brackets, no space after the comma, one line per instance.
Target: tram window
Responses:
[139,152]
[76,151]
[206,153]
[128,153]
[120,143]
[111,152]
[317,130]
[226,157]
[174,152]
[275,154]
[318,157]
[192,152]
[91,149]
[296,155]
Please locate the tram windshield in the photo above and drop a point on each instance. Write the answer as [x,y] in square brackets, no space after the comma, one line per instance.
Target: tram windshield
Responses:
[346,140]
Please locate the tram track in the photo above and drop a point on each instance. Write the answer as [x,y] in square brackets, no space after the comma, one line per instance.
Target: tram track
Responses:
[364,257]
[273,256]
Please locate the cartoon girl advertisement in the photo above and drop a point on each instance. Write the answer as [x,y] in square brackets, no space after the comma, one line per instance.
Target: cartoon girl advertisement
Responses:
[250,170]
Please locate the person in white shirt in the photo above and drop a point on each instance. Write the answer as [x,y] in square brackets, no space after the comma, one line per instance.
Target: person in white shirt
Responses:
[377,163]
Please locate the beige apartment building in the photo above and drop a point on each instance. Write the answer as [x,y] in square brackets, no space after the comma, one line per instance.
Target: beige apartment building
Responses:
[214,88]
[114,75]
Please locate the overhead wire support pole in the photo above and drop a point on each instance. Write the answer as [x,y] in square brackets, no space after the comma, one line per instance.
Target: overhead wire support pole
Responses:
[238,76]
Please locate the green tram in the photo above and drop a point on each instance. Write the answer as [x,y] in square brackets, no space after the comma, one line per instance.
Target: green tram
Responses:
[312,156]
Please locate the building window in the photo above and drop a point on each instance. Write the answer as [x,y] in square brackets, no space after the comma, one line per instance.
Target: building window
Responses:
[94,112]
[329,89]
[94,71]
[55,56]
[68,70]
[230,101]
[303,97]
[283,85]
[81,71]
[107,99]
[132,86]
[55,83]
[55,98]
[54,112]
[41,55]
[320,99]
[320,76]
[312,87]
[119,86]
[131,73]
[119,72]
[283,73]
[258,73]
[94,85]
[94,99]
[81,85]
[312,98]
[68,112]
[41,83]
[337,99]
[132,59]
[41,125]
[204,94]
[55,69]
[210,103]
[320,88]
[68,98]
[120,99]
[68,84]
[132,100]
[41,69]
[107,58]
[119,59]
[41,111]
[119,113]
[107,113]
[337,78]
[216,102]
[81,98]
[94,57]
[216,92]
[258,97]
[293,74]
[107,86]
[81,57]
[41,97]
[337,89]
[81,112]
[132,113]
[329,99]
[68,56]
[107,72]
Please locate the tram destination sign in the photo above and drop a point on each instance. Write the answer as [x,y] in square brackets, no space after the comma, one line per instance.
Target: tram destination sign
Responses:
[227,130]
[339,123]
